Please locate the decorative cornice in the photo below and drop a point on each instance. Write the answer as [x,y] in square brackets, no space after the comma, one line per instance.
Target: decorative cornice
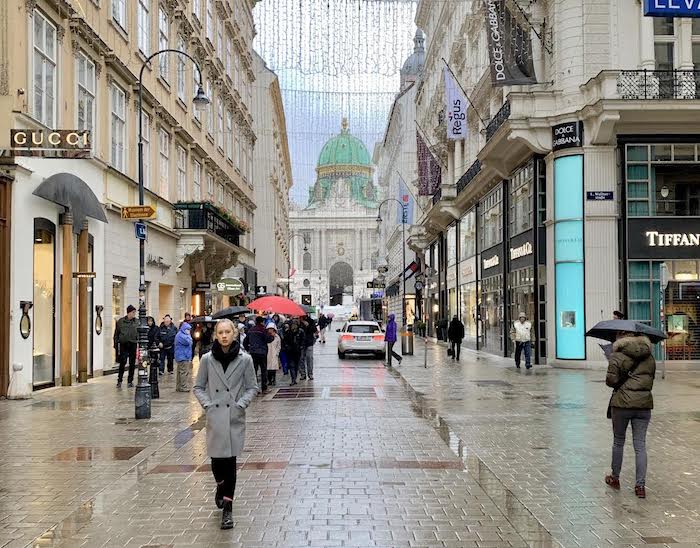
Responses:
[80,27]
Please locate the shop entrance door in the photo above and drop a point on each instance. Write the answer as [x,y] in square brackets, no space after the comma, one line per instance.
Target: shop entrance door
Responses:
[44,310]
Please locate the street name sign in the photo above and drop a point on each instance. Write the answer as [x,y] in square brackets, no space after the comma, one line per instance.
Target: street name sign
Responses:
[672,8]
[138,212]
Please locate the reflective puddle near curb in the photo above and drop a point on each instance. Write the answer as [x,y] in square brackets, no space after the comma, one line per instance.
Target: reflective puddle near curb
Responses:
[522,520]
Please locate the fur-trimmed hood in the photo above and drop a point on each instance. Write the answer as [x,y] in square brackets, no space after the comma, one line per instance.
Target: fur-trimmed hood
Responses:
[637,347]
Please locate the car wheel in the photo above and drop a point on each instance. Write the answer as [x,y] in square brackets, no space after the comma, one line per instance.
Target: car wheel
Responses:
[341,355]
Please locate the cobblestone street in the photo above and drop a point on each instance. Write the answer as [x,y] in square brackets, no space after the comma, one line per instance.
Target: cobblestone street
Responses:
[467,454]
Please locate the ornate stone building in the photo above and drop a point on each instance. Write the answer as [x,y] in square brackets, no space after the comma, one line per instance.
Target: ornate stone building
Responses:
[334,238]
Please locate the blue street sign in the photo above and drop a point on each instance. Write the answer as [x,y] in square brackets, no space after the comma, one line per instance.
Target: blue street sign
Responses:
[672,8]
[140,229]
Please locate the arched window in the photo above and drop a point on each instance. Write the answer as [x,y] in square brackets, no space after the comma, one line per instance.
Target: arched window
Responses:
[307,261]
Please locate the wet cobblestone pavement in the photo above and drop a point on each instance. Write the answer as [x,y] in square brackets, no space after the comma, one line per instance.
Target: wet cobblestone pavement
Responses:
[455,455]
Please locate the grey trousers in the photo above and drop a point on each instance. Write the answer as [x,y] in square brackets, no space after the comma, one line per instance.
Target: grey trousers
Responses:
[184,374]
[306,362]
[640,421]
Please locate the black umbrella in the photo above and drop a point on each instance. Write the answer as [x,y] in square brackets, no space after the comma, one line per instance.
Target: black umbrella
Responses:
[608,330]
[230,312]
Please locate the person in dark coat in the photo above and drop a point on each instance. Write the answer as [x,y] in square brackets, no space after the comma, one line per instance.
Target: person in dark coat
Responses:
[166,343]
[255,343]
[631,372]
[126,336]
[455,333]
[152,331]
[293,346]
[306,362]
[206,339]
[323,323]
[390,338]
[225,386]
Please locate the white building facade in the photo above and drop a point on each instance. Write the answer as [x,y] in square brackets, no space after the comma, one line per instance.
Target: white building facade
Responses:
[548,205]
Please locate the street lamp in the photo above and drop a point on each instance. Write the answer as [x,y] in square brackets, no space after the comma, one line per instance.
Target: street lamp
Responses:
[403,249]
[200,102]
[289,257]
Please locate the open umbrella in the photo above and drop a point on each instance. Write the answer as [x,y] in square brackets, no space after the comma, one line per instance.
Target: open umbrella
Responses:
[230,312]
[608,330]
[277,304]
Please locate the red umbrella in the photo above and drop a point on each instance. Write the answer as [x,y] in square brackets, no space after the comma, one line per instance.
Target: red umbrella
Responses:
[279,305]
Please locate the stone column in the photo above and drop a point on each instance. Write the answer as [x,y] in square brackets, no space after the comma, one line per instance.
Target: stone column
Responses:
[83,326]
[685,43]
[646,40]
[67,299]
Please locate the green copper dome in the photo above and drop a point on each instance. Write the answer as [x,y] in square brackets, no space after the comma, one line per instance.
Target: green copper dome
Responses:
[344,149]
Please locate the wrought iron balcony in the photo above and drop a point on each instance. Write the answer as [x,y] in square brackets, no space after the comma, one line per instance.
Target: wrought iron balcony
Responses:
[468,175]
[498,120]
[658,84]
[206,216]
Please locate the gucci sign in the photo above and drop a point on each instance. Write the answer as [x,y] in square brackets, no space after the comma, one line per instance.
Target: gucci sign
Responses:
[57,143]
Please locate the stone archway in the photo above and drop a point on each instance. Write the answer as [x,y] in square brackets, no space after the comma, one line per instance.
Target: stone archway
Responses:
[340,282]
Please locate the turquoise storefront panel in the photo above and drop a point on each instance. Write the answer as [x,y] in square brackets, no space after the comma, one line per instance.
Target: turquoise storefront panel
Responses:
[569,258]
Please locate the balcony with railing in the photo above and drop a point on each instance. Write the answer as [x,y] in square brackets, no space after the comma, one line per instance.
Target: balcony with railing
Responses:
[643,85]
[203,216]
[498,120]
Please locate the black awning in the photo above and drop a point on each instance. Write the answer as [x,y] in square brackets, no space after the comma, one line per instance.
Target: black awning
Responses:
[71,192]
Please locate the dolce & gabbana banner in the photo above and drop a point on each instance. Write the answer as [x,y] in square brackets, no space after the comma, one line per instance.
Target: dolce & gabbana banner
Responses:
[510,47]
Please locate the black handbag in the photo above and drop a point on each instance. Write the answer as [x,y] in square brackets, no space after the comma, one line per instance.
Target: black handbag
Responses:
[449,352]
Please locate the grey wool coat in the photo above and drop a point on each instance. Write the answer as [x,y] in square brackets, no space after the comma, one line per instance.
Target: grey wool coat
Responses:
[224,397]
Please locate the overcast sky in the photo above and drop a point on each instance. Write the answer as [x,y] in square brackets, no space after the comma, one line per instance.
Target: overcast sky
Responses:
[334,58]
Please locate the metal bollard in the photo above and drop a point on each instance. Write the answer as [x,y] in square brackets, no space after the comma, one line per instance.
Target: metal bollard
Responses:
[143,396]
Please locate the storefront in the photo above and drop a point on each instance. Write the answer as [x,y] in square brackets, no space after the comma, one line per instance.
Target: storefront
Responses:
[662,233]
[468,301]
[492,267]
[451,272]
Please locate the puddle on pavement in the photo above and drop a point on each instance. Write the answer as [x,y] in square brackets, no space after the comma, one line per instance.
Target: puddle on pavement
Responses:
[522,520]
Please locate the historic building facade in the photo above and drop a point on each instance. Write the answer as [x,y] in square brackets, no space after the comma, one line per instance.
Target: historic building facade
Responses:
[75,66]
[546,207]
[273,181]
[334,238]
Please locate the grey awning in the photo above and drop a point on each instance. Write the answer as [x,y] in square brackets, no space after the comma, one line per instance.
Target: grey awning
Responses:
[74,194]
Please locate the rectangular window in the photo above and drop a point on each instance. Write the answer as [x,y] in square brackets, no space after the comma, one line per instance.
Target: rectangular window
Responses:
[664,42]
[163,41]
[229,50]
[44,107]
[164,163]
[521,185]
[143,27]
[118,128]
[181,69]
[220,193]
[196,181]
[210,112]
[220,38]
[467,235]
[237,146]
[229,200]
[119,12]
[220,124]
[491,222]
[85,107]
[229,135]
[197,9]
[146,136]
[181,174]
[452,245]
[210,20]
[237,72]
[210,185]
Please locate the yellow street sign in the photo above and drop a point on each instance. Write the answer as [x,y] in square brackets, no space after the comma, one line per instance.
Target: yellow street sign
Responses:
[138,212]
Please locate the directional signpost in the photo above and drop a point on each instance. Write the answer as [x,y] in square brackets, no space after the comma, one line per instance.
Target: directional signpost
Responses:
[134,213]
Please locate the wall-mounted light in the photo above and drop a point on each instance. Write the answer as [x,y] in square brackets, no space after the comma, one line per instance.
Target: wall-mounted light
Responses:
[98,320]
[25,322]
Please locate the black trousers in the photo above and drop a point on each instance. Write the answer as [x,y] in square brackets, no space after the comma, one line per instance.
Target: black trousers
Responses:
[293,366]
[456,347]
[127,351]
[225,470]
[391,353]
[260,362]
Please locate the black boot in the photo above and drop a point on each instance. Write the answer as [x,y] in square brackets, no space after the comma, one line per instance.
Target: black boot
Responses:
[219,496]
[227,515]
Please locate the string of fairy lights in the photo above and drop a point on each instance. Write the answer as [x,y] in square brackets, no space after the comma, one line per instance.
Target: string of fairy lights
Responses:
[334,59]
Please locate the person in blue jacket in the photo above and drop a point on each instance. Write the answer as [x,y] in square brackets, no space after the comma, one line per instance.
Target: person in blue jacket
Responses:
[390,339]
[183,357]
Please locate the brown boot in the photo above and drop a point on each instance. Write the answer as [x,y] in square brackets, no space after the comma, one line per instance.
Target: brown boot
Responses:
[613,482]
[640,491]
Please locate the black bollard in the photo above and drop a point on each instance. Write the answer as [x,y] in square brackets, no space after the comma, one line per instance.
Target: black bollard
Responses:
[143,396]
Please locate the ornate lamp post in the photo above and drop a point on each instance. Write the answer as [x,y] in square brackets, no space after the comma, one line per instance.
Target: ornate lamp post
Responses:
[403,249]
[289,261]
[200,102]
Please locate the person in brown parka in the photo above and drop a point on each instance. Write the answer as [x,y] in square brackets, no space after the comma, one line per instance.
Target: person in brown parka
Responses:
[631,371]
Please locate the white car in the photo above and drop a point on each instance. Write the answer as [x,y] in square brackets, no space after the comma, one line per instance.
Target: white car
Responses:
[361,337]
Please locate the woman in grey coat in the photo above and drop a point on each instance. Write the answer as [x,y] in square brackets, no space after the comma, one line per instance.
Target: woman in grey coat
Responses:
[225,386]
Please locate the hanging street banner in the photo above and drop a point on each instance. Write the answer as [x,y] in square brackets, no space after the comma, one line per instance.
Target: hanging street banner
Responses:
[429,171]
[672,8]
[455,107]
[405,211]
[510,47]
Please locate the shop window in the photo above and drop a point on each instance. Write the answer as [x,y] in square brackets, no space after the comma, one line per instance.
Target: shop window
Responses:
[491,329]
[452,245]
[43,324]
[118,306]
[467,235]
[491,219]
[520,187]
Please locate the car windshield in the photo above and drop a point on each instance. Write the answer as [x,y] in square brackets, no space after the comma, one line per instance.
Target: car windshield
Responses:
[363,328]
